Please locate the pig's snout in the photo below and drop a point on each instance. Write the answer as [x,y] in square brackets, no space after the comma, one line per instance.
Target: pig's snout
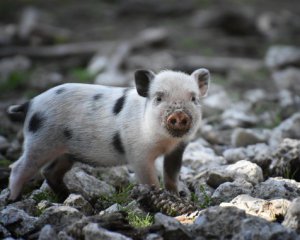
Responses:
[179,121]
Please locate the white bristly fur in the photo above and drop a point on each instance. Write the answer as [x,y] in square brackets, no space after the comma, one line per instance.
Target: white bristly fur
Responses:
[93,124]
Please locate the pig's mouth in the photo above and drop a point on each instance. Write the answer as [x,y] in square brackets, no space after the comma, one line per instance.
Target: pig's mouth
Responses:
[178,123]
[177,133]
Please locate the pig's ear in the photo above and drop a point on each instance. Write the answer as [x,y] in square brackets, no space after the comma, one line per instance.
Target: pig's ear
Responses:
[142,81]
[202,77]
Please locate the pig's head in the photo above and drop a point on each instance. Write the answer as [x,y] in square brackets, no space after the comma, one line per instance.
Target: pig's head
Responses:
[173,100]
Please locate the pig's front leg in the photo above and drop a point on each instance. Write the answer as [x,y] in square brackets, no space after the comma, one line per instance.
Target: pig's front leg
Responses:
[172,165]
[145,171]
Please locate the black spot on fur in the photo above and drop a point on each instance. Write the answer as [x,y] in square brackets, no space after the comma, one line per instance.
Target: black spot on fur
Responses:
[60,90]
[119,104]
[117,143]
[97,96]
[68,133]
[35,122]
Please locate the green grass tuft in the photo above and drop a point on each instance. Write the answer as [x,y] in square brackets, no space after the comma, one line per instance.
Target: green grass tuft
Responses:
[46,195]
[5,163]
[16,80]
[121,196]
[138,220]
[82,75]
[207,199]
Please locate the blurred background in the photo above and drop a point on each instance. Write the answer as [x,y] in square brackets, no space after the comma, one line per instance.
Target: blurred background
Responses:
[250,47]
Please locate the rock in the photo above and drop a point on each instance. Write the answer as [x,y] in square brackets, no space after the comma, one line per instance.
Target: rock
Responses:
[154,61]
[216,103]
[27,205]
[255,95]
[113,208]
[286,159]
[4,195]
[289,103]
[13,64]
[246,170]
[277,188]
[238,117]
[92,231]
[203,193]
[279,57]
[59,216]
[173,229]
[292,218]
[244,137]
[7,34]
[279,26]
[14,150]
[42,79]
[231,21]
[115,176]
[47,233]
[273,210]
[289,128]
[78,181]
[288,79]
[113,78]
[62,235]
[34,28]
[153,9]
[4,175]
[215,179]
[200,158]
[232,223]
[229,190]
[78,202]
[97,64]
[215,136]
[17,221]
[4,233]
[153,236]
[4,144]
[44,204]
[116,221]
[257,153]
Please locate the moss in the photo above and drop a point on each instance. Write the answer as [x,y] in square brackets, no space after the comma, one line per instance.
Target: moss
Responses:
[81,75]
[45,195]
[207,199]
[121,196]
[16,80]
[4,163]
[289,173]
[138,220]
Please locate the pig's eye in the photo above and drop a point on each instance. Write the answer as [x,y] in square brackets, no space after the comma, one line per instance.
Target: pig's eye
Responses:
[158,99]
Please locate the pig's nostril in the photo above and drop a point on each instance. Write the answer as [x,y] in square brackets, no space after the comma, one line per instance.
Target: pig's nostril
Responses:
[184,122]
[173,121]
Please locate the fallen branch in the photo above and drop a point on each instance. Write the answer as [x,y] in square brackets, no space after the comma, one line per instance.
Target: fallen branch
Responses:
[58,51]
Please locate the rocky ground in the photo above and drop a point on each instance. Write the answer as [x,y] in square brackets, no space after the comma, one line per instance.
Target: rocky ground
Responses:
[241,175]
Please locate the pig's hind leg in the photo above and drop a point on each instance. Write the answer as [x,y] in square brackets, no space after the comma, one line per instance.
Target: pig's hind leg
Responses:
[54,174]
[34,157]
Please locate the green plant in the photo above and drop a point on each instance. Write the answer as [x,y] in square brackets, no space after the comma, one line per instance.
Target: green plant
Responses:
[121,196]
[139,220]
[207,199]
[289,174]
[4,163]
[45,195]
[15,80]
[81,75]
